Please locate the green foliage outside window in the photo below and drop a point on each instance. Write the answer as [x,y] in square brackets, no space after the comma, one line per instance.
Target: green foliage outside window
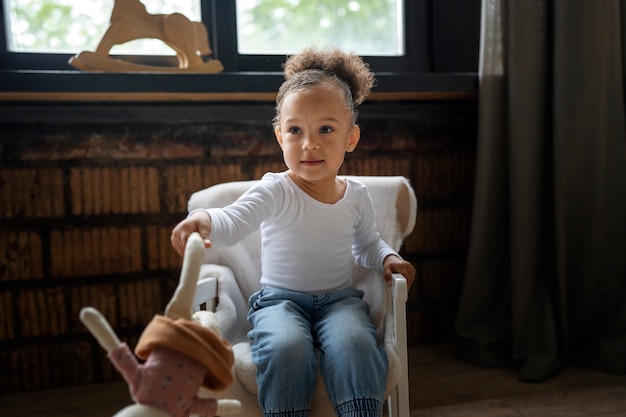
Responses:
[370,27]
[70,26]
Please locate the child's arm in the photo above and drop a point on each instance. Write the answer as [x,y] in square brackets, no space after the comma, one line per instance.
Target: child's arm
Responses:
[198,221]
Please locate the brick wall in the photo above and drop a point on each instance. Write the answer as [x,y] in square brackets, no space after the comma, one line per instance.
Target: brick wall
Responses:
[87,203]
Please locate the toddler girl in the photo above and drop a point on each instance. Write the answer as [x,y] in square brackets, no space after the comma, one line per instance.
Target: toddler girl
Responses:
[314,226]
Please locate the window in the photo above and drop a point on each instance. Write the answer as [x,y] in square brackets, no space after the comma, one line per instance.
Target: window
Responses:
[44,33]
[288,25]
[413,46]
[246,35]
[68,26]
[368,27]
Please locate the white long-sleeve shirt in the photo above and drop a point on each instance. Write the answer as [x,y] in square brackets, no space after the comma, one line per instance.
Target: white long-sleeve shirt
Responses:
[307,245]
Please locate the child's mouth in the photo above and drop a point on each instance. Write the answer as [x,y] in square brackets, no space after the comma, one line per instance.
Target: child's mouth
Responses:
[312,163]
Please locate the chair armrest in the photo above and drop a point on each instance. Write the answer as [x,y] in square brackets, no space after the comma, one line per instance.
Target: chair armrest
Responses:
[399,288]
[398,303]
[399,295]
[206,293]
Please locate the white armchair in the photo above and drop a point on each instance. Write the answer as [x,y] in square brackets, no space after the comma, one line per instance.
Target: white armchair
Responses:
[230,275]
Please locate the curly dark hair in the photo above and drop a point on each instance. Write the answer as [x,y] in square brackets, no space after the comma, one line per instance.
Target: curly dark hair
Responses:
[313,67]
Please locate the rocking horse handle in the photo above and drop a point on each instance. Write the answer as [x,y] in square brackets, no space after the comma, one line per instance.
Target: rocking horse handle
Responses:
[182,301]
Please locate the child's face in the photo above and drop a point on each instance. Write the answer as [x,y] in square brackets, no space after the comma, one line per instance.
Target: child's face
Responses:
[315,132]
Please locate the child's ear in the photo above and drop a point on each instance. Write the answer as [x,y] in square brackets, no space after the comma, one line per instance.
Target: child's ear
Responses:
[353,140]
[279,137]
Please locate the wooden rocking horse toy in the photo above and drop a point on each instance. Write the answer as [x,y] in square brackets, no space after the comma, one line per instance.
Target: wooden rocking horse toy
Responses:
[130,21]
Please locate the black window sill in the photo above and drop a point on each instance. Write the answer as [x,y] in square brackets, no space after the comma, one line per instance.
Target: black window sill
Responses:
[77,86]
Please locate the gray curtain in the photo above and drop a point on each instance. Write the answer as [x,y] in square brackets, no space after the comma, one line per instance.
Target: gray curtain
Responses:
[545,282]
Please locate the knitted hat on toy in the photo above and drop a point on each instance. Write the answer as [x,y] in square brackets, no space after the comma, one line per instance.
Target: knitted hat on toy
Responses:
[191,339]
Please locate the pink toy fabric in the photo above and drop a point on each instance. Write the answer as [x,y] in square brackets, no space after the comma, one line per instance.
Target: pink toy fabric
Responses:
[168,380]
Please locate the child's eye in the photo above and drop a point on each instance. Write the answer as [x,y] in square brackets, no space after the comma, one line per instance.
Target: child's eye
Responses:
[295,130]
[326,129]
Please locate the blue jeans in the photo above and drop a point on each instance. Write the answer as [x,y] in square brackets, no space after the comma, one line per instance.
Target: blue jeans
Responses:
[293,332]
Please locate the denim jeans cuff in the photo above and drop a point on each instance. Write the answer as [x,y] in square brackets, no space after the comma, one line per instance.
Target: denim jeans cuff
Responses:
[295,413]
[363,407]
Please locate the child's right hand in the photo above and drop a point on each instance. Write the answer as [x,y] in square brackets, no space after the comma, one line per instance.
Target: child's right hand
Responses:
[200,222]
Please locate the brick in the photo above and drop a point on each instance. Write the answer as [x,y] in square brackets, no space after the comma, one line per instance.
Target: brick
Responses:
[115,181]
[183,180]
[161,254]
[30,367]
[114,190]
[98,251]
[42,312]
[130,249]
[20,255]
[430,326]
[448,176]
[139,301]
[6,383]
[367,165]
[440,282]
[56,253]
[92,249]
[419,328]
[7,332]
[131,309]
[102,297]
[124,190]
[31,193]
[134,190]
[28,313]
[244,141]
[261,169]
[148,169]
[104,144]
[217,174]
[42,366]
[439,230]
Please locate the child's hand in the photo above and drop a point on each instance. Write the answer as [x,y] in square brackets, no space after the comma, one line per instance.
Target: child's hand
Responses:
[395,264]
[200,222]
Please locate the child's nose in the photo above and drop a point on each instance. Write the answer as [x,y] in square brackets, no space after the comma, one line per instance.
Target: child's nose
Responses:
[309,143]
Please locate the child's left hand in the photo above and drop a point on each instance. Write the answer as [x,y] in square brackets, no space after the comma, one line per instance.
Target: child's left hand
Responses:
[395,264]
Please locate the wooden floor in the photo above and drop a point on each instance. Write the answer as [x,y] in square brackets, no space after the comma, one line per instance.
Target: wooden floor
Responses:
[441,386]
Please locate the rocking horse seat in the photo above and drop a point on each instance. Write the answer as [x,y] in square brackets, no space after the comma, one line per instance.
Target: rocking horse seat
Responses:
[90,61]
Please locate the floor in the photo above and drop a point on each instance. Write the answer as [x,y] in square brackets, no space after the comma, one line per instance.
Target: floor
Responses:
[443,386]
[440,386]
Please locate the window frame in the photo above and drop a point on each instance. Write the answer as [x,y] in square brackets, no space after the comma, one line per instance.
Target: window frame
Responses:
[413,76]
[414,60]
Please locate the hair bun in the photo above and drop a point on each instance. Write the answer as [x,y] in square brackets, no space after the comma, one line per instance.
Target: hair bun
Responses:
[349,67]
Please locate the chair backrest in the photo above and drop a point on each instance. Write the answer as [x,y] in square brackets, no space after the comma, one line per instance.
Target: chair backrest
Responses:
[395,208]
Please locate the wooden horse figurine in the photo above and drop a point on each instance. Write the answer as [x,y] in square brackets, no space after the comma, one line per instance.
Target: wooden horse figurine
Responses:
[130,21]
